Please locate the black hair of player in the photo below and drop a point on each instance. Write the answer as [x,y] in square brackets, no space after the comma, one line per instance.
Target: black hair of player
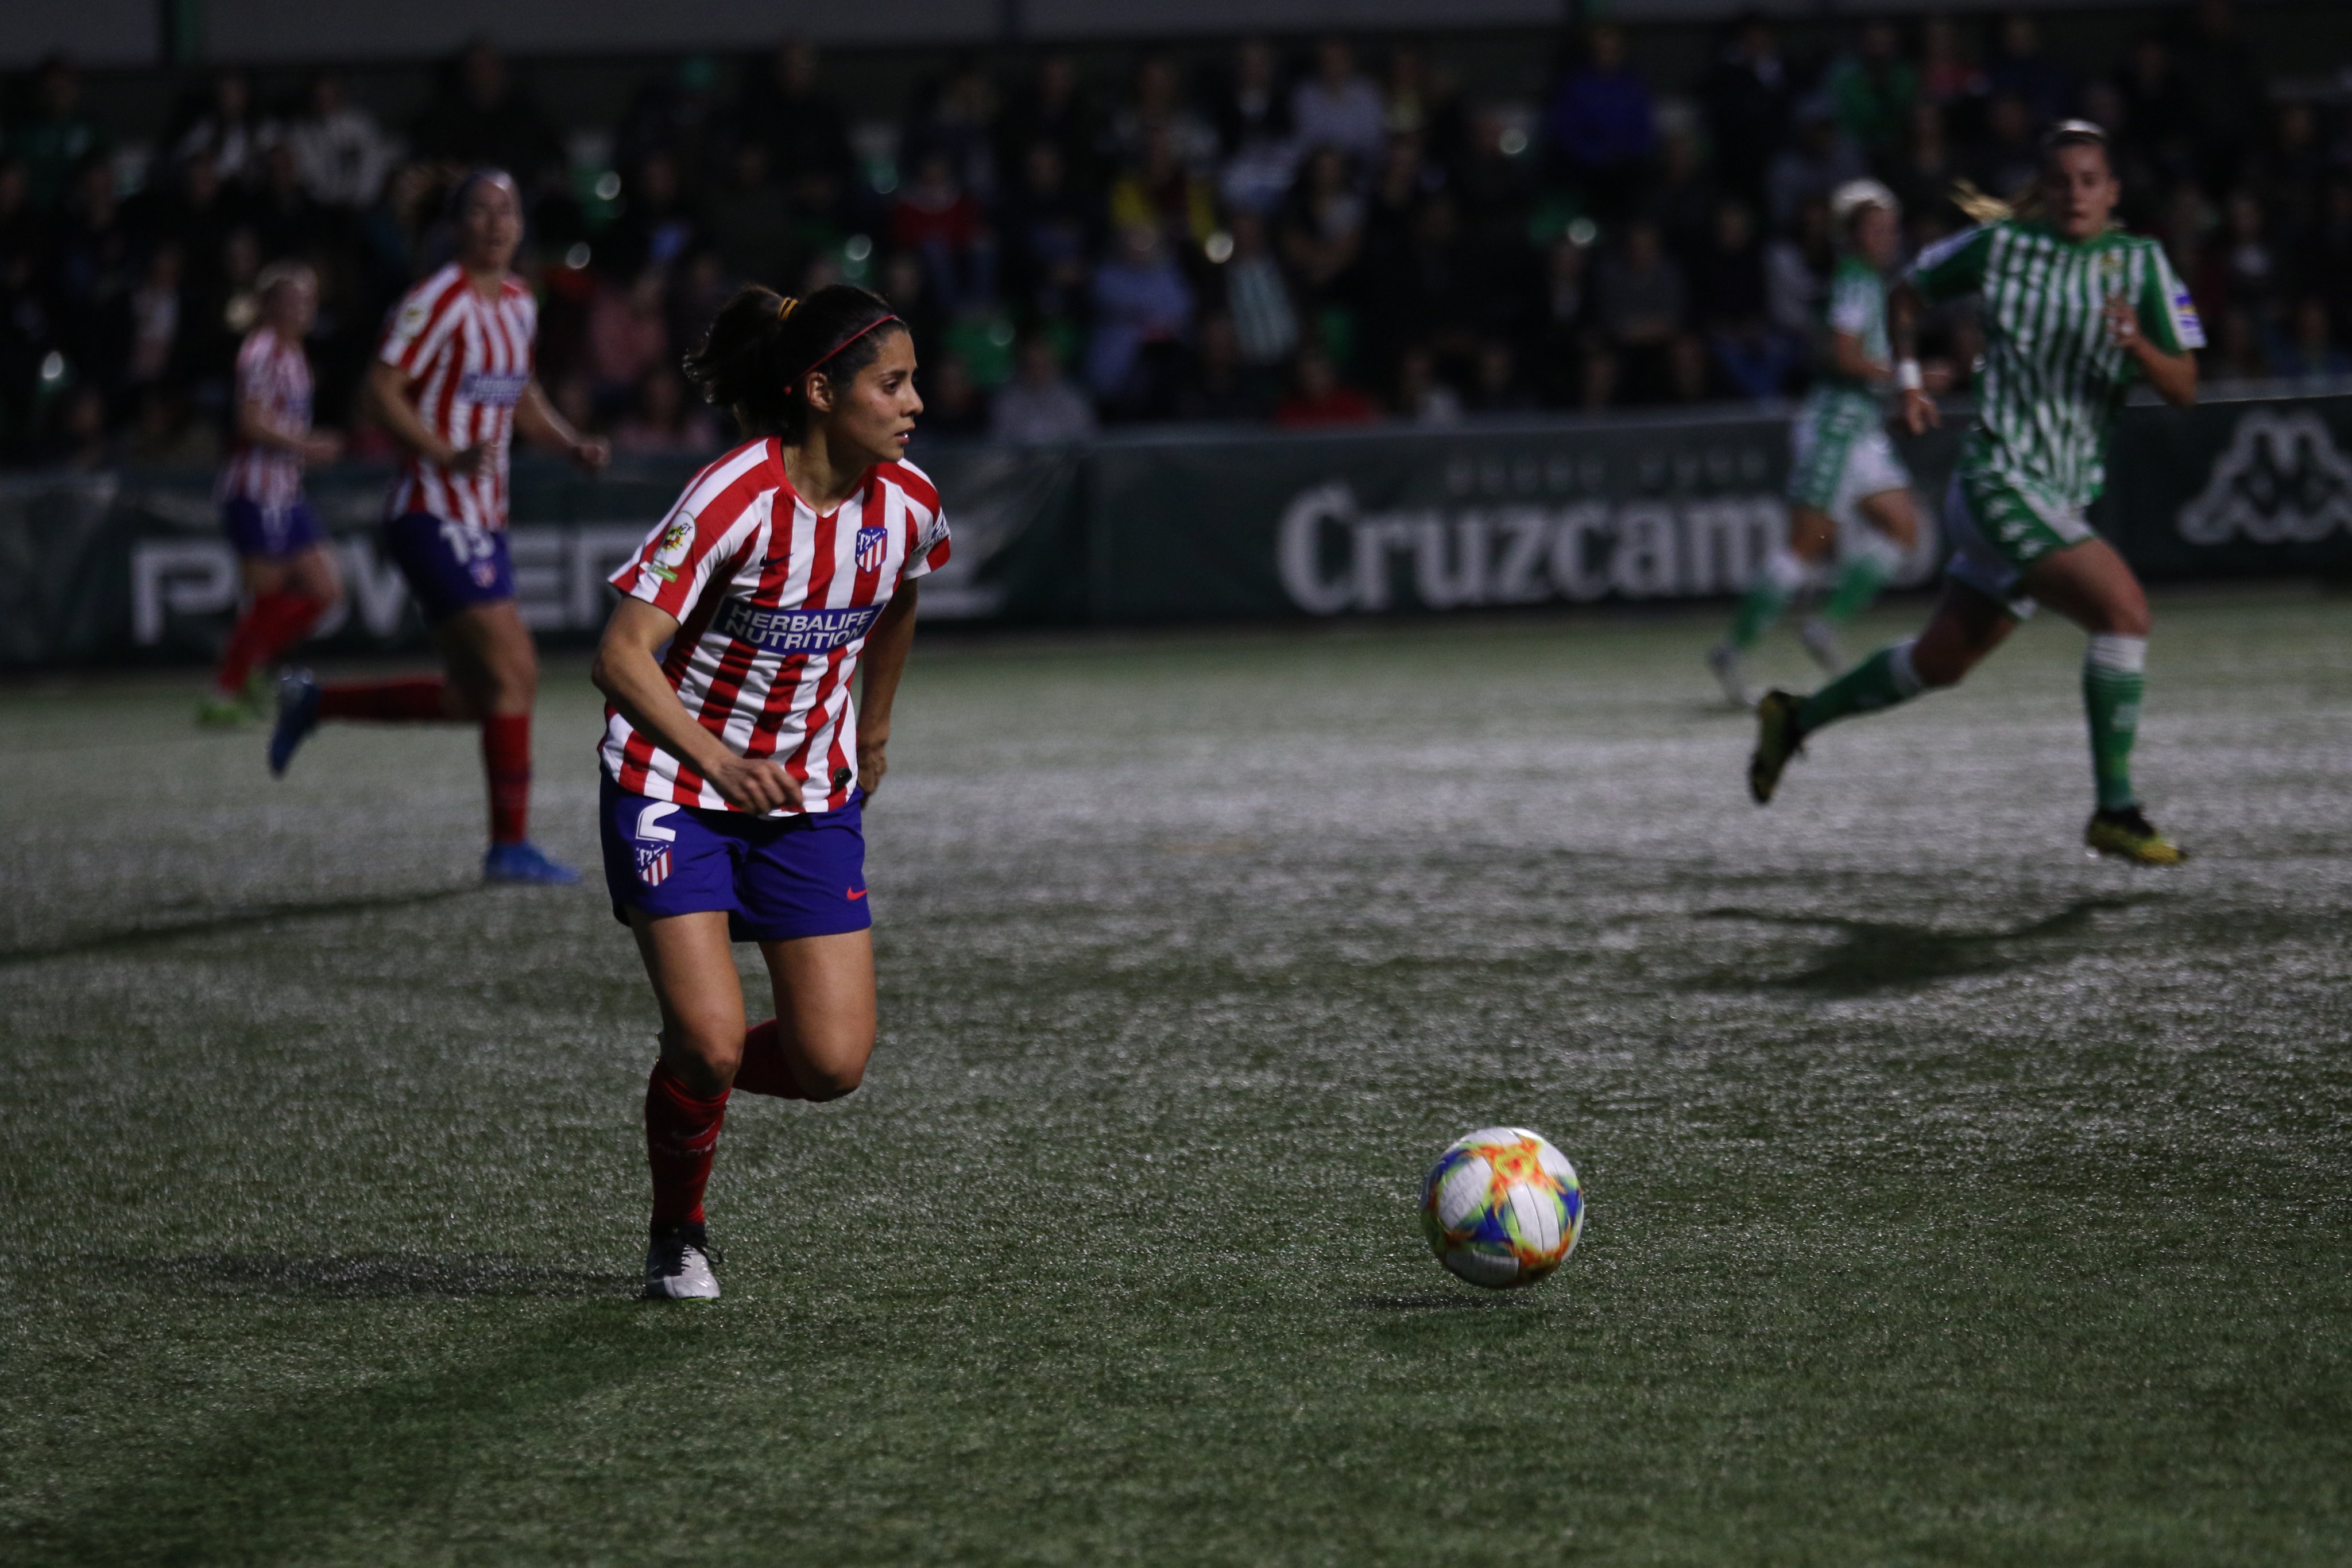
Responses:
[454,208]
[757,357]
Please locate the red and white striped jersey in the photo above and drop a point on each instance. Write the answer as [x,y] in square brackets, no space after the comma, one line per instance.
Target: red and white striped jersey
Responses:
[274,373]
[470,360]
[774,603]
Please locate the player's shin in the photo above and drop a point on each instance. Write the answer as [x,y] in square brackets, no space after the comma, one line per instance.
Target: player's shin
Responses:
[1859,583]
[1885,678]
[2113,677]
[1768,597]
[506,761]
[681,1135]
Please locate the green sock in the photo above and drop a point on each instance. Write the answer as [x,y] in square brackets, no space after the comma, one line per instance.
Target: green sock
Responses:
[2111,683]
[1858,584]
[1775,583]
[1880,681]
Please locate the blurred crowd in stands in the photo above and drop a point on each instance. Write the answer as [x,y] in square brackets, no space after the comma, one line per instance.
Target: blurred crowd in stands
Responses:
[1307,233]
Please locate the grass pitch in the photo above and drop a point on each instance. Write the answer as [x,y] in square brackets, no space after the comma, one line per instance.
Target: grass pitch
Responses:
[1955,1199]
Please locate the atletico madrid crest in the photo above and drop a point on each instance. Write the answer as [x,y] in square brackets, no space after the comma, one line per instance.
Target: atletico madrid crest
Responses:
[653,864]
[872,544]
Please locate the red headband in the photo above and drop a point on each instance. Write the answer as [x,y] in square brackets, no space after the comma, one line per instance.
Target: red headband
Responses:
[837,349]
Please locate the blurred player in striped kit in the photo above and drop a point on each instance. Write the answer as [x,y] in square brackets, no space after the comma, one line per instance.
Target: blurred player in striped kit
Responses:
[452,382]
[736,762]
[289,578]
[1849,493]
[2075,312]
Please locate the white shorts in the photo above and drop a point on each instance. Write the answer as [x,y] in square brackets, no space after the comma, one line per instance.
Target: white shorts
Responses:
[2031,528]
[1869,467]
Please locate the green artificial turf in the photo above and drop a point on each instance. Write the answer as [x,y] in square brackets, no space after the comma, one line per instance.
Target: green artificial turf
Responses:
[1954,1198]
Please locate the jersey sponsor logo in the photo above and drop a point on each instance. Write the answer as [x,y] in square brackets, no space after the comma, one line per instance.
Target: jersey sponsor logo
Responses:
[2186,320]
[653,864]
[2281,480]
[796,631]
[873,545]
[496,389]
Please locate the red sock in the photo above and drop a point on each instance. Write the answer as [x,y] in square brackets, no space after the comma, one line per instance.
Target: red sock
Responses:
[763,1070]
[272,623]
[681,1134]
[505,758]
[387,701]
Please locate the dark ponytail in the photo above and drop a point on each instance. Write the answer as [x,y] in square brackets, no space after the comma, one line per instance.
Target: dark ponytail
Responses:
[756,357]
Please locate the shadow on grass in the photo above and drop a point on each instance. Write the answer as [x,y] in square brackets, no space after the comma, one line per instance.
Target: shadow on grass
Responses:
[1879,955]
[378,1459]
[141,937]
[376,1276]
[1436,1302]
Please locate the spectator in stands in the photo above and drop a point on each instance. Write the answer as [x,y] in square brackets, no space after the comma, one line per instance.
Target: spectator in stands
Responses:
[1049,236]
[479,116]
[94,265]
[1565,326]
[960,125]
[1254,131]
[1257,296]
[1730,306]
[154,309]
[2009,158]
[1039,405]
[1642,307]
[1220,384]
[2250,267]
[1337,108]
[1874,89]
[676,112]
[953,405]
[1319,399]
[1056,110]
[2227,86]
[657,223]
[663,421]
[1817,160]
[57,137]
[750,222]
[1925,178]
[1495,381]
[281,212]
[227,127]
[628,337]
[806,131]
[1143,313]
[1159,107]
[1421,396]
[935,219]
[907,285]
[2017,68]
[1682,197]
[2159,135]
[1322,224]
[340,152]
[1601,123]
[1797,266]
[1748,94]
[1160,190]
[1947,79]
[2309,349]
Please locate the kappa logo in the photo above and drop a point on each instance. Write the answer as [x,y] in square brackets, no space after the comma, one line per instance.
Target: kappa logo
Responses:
[873,545]
[2282,480]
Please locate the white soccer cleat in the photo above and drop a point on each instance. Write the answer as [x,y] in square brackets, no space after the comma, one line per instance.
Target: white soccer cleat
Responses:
[1821,640]
[678,1265]
[1724,660]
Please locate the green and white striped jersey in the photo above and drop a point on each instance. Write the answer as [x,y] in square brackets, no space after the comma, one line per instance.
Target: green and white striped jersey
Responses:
[1857,307]
[2052,381]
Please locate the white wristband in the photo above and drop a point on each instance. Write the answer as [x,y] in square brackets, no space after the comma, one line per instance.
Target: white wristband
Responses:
[1907,375]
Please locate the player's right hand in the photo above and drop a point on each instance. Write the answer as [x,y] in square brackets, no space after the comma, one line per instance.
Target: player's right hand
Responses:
[1919,414]
[755,784]
[466,462]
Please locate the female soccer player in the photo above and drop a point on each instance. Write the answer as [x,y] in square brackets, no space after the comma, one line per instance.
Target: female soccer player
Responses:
[1843,476]
[289,578]
[452,382]
[2073,311]
[734,759]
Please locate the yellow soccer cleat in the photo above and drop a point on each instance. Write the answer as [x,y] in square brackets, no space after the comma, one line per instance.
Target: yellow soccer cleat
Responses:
[1777,740]
[2126,835]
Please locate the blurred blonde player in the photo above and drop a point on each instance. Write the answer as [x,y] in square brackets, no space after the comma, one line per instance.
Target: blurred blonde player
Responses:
[1846,486]
[289,578]
[452,382]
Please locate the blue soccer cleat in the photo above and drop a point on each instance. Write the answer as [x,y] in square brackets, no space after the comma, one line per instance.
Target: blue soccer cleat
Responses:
[523,862]
[297,715]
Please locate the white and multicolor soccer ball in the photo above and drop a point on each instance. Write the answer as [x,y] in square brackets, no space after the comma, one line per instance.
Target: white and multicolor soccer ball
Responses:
[1502,1208]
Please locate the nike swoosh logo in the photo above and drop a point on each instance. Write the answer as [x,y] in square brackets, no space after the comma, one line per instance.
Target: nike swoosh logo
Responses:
[859,892]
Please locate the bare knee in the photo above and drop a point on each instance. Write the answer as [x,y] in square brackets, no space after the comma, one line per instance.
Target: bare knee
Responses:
[705,1055]
[2127,620]
[831,1082]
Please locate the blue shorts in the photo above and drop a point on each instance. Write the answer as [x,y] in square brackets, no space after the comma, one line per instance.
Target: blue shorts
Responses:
[273,533]
[449,566]
[777,877]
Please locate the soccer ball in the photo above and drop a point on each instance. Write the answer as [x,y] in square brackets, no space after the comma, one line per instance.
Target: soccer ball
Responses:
[1502,1208]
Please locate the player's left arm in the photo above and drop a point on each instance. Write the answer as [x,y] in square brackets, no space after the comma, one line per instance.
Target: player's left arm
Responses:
[2159,331]
[886,660]
[537,418]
